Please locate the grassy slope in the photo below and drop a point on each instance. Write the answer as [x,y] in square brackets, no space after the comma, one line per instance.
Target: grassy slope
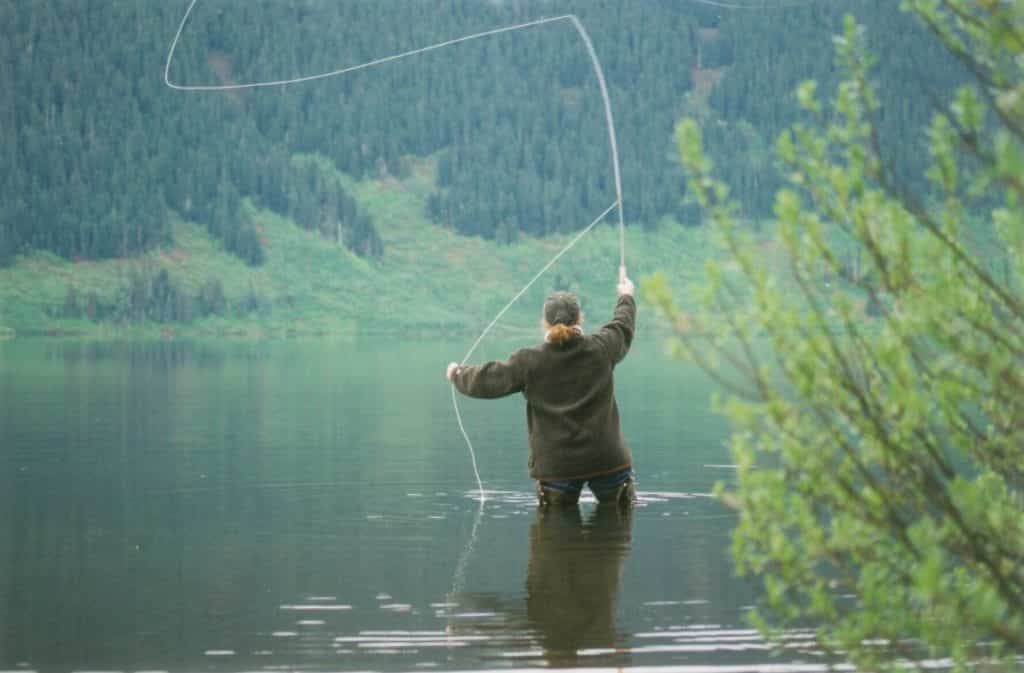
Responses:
[429,278]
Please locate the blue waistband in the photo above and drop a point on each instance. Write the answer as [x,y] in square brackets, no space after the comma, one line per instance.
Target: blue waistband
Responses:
[605,481]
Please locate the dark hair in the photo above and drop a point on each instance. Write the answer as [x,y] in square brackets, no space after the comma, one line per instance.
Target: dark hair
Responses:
[562,308]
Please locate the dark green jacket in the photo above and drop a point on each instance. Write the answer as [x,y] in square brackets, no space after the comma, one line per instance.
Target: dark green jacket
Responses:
[571,413]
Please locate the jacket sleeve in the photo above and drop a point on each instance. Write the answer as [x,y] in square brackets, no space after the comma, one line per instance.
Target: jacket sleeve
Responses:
[617,335]
[493,379]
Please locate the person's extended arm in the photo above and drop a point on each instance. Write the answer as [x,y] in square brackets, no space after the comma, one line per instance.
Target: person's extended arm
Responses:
[493,379]
[617,335]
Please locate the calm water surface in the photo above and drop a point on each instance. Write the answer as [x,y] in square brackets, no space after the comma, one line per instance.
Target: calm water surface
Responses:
[188,506]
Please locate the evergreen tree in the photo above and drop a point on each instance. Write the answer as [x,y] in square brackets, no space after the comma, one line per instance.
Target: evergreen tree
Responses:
[515,122]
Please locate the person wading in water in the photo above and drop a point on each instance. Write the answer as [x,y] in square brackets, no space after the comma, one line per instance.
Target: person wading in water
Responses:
[571,413]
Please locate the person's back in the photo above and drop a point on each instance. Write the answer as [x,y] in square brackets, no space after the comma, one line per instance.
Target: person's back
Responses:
[572,415]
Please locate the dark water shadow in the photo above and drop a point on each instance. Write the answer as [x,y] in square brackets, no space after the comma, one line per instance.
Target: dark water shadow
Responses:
[573,580]
[567,614]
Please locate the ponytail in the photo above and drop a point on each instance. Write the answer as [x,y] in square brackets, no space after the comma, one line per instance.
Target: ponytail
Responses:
[561,333]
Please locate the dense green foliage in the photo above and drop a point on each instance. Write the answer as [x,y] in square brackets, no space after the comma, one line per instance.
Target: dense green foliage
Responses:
[874,375]
[156,296]
[102,152]
[100,155]
[430,280]
[769,54]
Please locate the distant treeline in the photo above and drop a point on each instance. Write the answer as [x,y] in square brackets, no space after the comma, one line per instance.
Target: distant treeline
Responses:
[100,155]
[157,296]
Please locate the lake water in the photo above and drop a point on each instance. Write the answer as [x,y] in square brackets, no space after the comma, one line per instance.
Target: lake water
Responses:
[310,505]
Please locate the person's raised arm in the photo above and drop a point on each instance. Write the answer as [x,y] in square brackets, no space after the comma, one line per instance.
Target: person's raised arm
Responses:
[617,335]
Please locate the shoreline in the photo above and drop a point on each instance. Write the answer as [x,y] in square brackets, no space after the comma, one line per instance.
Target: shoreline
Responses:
[165,333]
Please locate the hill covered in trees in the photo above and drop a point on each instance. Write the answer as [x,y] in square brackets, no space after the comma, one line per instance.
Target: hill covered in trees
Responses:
[102,158]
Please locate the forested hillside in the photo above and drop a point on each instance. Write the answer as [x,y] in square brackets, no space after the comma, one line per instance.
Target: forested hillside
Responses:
[100,156]
[764,55]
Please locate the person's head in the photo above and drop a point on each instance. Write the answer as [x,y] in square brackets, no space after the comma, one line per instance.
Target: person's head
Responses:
[562,317]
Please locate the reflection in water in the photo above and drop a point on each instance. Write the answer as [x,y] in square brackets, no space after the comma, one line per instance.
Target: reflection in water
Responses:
[567,614]
[572,579]
[285,506]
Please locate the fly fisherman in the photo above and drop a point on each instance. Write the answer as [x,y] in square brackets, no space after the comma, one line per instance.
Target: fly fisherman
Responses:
[571,413]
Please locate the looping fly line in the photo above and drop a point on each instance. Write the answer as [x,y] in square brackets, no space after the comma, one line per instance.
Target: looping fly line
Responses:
[609,120]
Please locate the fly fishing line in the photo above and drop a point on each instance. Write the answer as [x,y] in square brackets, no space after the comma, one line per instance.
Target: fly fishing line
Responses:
[609,121]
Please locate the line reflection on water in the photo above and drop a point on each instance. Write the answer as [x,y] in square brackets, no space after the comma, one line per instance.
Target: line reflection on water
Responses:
[567,614]
[168,503]
[571,590]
